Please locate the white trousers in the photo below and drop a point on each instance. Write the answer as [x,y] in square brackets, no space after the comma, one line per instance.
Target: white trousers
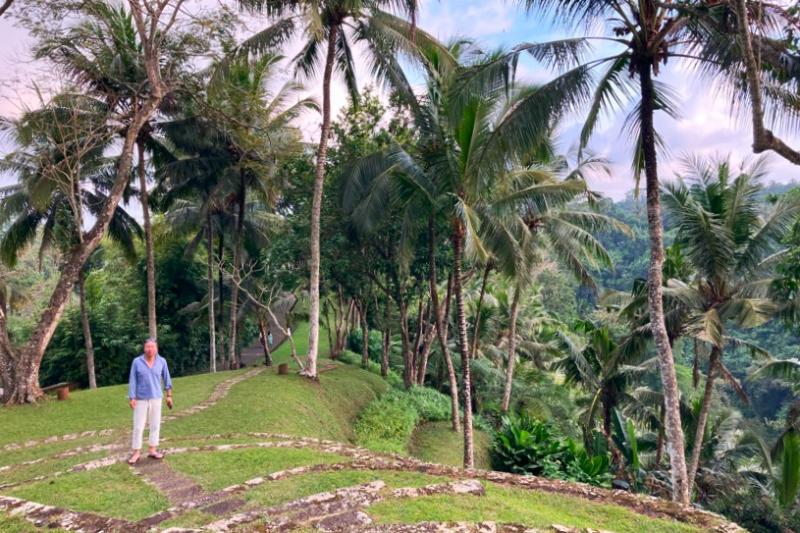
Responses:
[148,411]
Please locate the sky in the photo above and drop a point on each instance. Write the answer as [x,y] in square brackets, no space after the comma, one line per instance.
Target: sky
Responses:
[705,126]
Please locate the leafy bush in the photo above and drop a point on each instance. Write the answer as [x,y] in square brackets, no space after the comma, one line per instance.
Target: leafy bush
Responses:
[432,405]
[387,423]
[375,347]
[529,446]
[526,446]
[581,466]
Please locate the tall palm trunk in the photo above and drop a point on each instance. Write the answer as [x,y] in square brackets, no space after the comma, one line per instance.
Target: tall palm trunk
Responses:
[402,306]
[364,334]
[479,309]
[237,260]
[87,333]
[512,350]
[212,327]
[387,337]
[441,331]
[220,257]
[702,419]
[148,244]
[316,205]
[463,345]
[666,363]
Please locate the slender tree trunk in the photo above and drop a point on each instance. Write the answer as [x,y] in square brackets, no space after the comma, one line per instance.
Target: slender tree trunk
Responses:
[463,345]
[236,272]
[331,344]
[441,330]
[387,338]
[316,205]
[417,344]
[427,343]
[148,243]
[475,334]
[212,327]
[265,342]
[666,363]
[405,341]
[660,446]
[5,343]
[87,333]
[616,457]
[512,350]
[702,419]
[364,335]
[763,138]
[221,257]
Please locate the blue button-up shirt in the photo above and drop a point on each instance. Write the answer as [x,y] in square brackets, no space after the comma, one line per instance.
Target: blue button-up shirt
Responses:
[145,382]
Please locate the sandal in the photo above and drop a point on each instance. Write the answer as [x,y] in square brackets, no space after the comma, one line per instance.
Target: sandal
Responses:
[155,455]
[133,461]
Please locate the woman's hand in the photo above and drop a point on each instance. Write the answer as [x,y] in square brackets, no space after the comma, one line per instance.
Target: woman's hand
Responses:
[132,401]
[169,402]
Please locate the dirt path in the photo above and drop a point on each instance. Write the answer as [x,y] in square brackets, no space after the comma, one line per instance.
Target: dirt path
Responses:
[254,354]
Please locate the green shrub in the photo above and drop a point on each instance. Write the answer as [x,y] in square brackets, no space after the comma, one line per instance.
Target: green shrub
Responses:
[529,446]
[386,424]
[432,405]
[375,344]
[581,466]
[349,358]
[526,446]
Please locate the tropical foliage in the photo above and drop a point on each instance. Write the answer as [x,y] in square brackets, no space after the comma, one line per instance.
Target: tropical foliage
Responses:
[434,232]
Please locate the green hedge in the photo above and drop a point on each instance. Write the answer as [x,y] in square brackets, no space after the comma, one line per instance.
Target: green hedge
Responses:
[387,423]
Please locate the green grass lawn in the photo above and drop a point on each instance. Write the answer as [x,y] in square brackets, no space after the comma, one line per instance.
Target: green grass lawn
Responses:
[435,442]
[283,354]
[12,457]
[532,508]
[103,408]
[270,403]
[26,472]
[276,492]
[217,470]
[288,404]
[112,491]
[10,524]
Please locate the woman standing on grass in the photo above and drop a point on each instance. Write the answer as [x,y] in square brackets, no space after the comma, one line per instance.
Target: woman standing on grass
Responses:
[149,373]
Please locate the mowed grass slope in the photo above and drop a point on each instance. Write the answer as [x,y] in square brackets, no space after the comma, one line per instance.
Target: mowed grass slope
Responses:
[290,404]
[103,408]
[436,442]
[270,403]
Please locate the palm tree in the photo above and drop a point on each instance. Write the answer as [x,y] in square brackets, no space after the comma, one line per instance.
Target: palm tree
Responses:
[212,164]
[190,166]
[258,122]
[646,33]
[53,193]
[154,21]
[594,360]
[541,220]
[106,55]
[733,243]
[331,28]
[778,473]
[458,172]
